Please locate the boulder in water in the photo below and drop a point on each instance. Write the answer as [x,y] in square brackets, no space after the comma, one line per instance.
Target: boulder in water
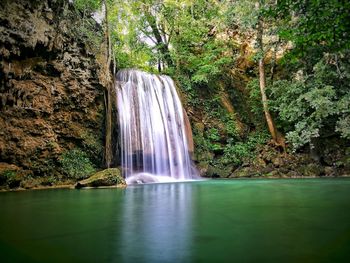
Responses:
[108,177]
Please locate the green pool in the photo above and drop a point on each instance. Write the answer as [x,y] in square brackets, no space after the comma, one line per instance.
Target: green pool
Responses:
[282,220]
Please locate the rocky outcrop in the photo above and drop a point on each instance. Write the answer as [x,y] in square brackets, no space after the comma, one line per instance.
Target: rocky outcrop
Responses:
[108,177]
[271,163]
[51,85]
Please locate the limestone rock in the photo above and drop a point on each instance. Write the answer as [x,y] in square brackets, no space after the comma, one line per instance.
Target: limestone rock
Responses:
[202,168]
[330,171]
[311,170]
[107,177]
[244,172]
[51,92]
[221,172]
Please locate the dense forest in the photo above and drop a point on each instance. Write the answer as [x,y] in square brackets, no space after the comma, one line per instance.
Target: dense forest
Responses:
[266,84]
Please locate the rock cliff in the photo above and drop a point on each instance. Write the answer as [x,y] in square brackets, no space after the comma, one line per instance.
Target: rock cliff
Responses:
[51,86]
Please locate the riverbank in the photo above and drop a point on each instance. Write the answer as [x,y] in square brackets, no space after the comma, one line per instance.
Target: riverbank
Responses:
[71,186]
[260,177]
[110,177]
[39,188]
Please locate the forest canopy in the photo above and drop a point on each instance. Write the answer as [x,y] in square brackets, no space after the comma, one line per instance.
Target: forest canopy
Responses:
[291,56]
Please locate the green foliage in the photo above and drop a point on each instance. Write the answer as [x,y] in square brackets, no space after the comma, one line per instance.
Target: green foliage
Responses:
[317,105]
[93,147]
[343,123]
[43,166]
[222,139]
[213,138]
[255,100]
[87,6]
[235,153]
[127,39]
[8,173]
[217,135]
[314,27]
[213,135]
[85,29]
[309,97]
[76,164]
[186,29]
[196,49]
[90,35]
[243,13]
[8,177]
[315,102]
[188,87]
[209,141]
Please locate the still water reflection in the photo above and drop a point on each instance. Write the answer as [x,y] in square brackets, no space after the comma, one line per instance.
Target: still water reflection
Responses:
[157,223]
[210,221]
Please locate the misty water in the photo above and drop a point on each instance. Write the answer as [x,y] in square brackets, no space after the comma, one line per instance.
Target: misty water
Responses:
[155,133]
[283,220]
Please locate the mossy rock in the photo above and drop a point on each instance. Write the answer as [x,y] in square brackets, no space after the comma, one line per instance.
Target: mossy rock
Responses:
[311,170]
[108,177]
[205,156]
[10,176]
[344,162]
[202,168]
[219,172]
[273,174]
[245,172]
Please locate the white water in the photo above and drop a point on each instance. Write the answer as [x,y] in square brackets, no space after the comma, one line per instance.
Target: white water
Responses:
[153,135]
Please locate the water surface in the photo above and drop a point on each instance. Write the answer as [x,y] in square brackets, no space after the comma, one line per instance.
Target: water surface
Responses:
[298,220]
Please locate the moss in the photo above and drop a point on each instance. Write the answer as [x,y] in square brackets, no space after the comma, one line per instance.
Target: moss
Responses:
[10,179]
[76,164]
[30,183]
[9,173]
[93,147]
[107,177]
[243,172]
[274,173]
[219,171]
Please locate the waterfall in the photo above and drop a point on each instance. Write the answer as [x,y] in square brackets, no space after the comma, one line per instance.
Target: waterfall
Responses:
[154,129]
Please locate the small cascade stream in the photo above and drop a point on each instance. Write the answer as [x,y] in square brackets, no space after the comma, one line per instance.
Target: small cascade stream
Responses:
[155,135]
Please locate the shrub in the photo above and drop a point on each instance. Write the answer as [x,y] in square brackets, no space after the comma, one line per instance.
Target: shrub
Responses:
[92,145]
[6,176]
[237,152]
[315,105]
[76,164]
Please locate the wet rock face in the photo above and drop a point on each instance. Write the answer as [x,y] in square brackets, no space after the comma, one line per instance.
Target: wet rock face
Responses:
[51,92]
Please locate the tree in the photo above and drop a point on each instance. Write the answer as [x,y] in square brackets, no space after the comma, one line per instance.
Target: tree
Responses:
[313,100]
[251,15]
[314,27]
[108,97]
[159,34]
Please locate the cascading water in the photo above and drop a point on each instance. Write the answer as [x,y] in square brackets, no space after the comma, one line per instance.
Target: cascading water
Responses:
[155,135]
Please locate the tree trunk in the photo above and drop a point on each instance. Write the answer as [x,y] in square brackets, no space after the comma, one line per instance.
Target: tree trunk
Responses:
[107,37]
[262,82]
[108,97]
[277,137]
[162,47]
